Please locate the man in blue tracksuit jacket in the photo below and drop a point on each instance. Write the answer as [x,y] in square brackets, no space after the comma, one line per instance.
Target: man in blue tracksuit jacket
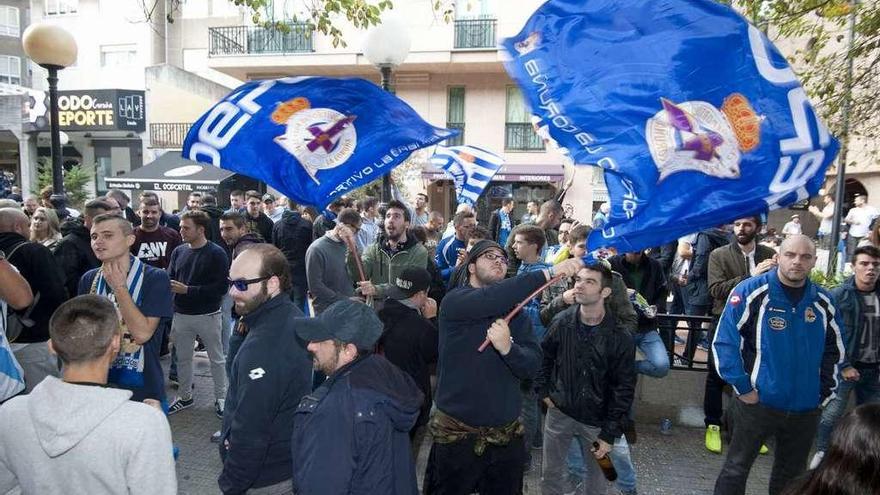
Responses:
[779,343]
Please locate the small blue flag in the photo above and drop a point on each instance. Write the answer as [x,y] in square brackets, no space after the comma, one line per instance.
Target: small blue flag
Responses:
[470,167]
[694,115]
[311,138]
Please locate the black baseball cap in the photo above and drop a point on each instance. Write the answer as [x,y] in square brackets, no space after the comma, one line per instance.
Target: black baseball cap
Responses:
[346,320]
[268,197]
[410,281]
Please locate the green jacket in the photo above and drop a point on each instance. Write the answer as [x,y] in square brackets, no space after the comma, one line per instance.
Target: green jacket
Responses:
[381,269]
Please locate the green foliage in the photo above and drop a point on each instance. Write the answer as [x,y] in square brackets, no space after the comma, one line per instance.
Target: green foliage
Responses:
[75,181]
[817,45]
[819,277]
[322,16]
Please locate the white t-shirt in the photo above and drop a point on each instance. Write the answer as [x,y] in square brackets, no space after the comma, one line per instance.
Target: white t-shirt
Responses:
[861,218]
[791,228]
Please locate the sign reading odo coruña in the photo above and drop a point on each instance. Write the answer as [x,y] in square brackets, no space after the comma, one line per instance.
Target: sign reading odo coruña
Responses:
[102,110]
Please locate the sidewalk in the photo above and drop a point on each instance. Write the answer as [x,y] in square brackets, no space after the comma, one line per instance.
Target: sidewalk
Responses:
[677,464]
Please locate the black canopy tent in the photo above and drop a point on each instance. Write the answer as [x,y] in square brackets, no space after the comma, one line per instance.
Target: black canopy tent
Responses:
[172,172]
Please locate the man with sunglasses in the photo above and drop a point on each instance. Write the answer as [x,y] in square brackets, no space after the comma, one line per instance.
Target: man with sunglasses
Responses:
[478,442]
[271,371]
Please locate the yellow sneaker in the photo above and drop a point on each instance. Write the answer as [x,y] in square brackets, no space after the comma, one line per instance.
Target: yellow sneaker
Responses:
[764,450]
[713,439]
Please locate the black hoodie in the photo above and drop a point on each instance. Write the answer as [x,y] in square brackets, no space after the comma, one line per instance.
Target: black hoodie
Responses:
[74,253]
[409,341]
[213,232]
[38,266]
[293,235]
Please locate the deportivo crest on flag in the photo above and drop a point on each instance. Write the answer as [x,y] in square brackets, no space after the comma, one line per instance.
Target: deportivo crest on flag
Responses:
[311,138]
[470,167]
[694,115]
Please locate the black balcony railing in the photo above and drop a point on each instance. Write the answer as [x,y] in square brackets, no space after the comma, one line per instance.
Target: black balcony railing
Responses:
[455,140]
[475,33]
[522,137]
[681,334]
[258,40]
[169,136]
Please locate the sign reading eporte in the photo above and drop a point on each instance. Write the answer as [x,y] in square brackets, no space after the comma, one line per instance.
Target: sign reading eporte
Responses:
[102,110]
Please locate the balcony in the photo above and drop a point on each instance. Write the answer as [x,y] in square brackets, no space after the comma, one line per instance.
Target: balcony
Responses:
[521,137]
[168,136]
[475,33]
[258,40]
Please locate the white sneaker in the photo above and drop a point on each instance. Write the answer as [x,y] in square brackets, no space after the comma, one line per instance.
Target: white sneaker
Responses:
[817,458]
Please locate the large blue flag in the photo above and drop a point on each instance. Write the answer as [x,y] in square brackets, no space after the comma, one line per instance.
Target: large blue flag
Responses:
[470,167]
[693,114]
[312,138]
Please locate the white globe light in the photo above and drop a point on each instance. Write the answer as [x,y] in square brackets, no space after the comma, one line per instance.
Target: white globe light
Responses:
[49,45]
[388,43]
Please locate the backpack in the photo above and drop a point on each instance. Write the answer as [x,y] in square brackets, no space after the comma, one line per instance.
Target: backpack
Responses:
[18,321]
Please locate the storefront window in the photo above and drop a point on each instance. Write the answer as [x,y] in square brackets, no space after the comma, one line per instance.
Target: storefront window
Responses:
[102,171]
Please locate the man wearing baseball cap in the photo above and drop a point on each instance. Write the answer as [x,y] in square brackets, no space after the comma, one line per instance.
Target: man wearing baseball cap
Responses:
[353,431]
[410,337]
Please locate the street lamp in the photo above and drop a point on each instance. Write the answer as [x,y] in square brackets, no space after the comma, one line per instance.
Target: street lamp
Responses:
[386,47]
[52,48]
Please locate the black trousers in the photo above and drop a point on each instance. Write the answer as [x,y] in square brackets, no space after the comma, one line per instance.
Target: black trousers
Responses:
[713,406]
[454,469]
[794,433]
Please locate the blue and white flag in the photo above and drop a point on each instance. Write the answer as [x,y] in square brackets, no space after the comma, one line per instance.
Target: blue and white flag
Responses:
[311,138]
[694,115]
[471,169]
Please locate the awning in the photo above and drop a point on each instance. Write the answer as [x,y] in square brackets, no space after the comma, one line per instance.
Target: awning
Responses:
[508,173]
[171,172]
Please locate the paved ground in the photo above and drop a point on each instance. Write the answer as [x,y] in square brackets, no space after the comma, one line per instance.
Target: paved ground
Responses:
[666,465]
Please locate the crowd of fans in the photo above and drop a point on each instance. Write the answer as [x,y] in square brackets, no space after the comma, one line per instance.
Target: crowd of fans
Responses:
[340,342]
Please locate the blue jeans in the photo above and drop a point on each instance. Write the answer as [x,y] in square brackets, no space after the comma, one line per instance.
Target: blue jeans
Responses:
[867,391]
[531,419]
[626,473]
[656,362]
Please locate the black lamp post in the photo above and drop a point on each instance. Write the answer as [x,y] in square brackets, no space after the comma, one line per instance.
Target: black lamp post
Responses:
[52,48]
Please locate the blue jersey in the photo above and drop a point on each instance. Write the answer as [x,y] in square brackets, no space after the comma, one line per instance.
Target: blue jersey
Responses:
[791,354]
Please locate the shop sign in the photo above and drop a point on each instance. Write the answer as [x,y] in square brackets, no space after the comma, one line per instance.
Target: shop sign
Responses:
[102,110]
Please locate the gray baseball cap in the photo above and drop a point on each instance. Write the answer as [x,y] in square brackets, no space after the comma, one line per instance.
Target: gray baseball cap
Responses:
[346,320]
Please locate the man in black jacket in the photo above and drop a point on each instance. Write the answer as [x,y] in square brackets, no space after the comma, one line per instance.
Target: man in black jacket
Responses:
[501,224]
[270,374]
[74,254]
[257,221]
[478,442]
[37,265]
[587,380]
[409,339]
[293,235]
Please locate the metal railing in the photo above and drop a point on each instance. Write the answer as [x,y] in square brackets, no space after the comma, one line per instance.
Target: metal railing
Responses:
[258,40]
[169,135]
[455,140]
[684,353]
[521,137]
[475,33]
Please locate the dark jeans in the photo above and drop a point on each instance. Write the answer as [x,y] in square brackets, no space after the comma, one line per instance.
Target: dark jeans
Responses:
[753,425]
[298,297]
[712,403]
[454,469]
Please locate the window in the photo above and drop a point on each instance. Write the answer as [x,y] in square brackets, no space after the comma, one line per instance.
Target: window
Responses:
[519,134]
[9,22]
[59,7]
[10,69]
[455,114]
[118,55]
